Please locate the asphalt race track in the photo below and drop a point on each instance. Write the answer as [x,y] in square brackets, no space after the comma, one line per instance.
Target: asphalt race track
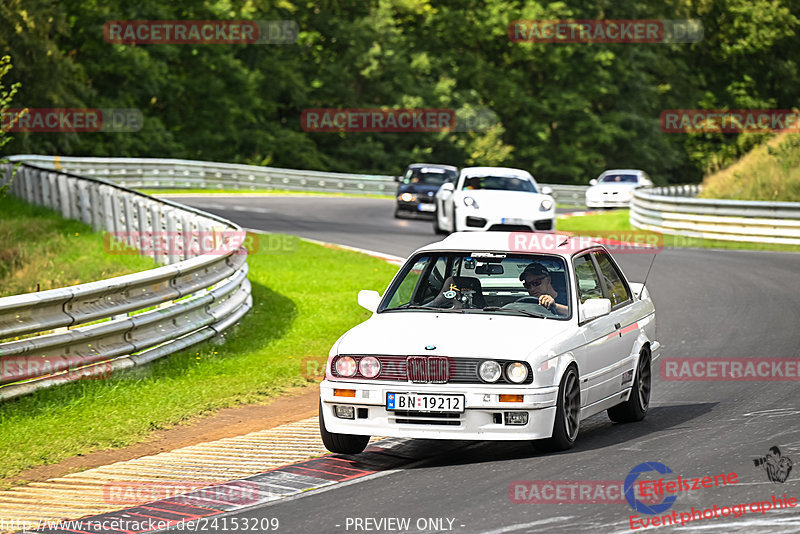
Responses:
[709,304]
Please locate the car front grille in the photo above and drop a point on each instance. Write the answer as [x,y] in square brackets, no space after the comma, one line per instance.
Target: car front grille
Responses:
[432,369]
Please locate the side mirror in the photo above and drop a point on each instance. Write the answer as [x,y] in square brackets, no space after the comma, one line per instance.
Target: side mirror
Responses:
[369,299]
[398,178]
[593,181]
[448,187]
[547,190]
[593,308]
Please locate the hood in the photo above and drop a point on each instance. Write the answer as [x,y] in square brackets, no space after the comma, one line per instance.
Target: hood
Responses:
[453,334]
[507,201]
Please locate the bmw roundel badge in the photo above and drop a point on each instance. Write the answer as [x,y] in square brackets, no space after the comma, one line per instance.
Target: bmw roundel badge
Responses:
[430,347]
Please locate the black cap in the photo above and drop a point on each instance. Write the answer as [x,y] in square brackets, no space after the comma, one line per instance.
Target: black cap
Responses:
[534,268]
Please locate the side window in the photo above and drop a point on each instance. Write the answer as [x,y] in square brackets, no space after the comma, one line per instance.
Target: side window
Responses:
[588,283]
[406,289]
[617,289]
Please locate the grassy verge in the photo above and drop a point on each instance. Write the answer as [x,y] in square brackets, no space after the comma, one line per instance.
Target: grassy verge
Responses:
[618,220]
[285,335]
[768,172]
[40,249]
[256,192]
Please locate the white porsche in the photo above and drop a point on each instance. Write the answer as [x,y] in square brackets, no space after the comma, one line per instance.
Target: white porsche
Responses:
[493,336]
[614,188]
[493,198]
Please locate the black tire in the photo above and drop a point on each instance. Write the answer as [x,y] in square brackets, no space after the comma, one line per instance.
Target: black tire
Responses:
[568,412]
[635,408]
[341,443]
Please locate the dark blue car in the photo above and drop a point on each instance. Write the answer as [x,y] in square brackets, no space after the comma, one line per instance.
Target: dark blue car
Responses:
[418,185]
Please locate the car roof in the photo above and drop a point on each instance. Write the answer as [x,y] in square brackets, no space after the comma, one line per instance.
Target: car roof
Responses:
[436,165]
[496,171]
[616,171]
[513,242]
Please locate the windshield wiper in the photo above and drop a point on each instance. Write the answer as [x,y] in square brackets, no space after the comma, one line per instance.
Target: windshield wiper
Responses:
[417,307]
[515,311]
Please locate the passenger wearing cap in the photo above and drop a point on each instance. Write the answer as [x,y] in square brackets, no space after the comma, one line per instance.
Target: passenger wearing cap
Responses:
[536,279]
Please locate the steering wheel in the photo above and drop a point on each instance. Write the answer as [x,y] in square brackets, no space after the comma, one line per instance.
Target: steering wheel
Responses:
[526,300]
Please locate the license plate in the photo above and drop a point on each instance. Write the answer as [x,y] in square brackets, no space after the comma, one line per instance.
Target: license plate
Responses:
[513,221]
[419,402]
[426,207]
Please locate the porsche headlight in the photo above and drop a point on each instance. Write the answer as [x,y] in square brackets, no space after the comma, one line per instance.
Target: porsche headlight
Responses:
[489,371]
[345,366]
[470,202]
[369,366]
[406,197]
[516,372]
[546,205]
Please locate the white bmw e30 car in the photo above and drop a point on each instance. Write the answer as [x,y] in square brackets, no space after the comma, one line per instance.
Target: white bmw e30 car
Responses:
[493,336]
[493,198]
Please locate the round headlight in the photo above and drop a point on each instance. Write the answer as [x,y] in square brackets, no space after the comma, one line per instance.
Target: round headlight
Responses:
[369,366]
[345,366]
[547,205]
[470,202]
[489,371]
[406,197]
[516,372]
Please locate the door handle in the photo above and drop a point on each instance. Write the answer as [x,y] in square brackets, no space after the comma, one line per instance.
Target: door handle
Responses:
[616,325]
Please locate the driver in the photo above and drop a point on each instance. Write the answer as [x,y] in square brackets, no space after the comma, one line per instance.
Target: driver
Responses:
[536,279]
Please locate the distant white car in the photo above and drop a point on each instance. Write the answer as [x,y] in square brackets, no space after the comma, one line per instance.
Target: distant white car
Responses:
[614,188]
[465,345]
[493,198]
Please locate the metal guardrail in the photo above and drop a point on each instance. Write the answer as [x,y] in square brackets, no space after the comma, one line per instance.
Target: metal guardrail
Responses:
[92,329]
[151,173]
[675,210]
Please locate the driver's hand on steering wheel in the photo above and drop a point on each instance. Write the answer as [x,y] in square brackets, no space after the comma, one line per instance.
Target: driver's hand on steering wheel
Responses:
[546,301]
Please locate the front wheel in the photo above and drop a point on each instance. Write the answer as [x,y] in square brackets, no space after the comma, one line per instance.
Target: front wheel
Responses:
[635,408]
[341,443]
[568,410]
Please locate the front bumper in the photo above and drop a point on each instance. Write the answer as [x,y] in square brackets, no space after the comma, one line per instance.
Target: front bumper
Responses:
[479,421]
[422,205]
[478,221]
[608,203]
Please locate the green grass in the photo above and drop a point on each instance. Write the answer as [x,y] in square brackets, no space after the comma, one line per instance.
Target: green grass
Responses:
[39,248]
[768,172]
[256,192]
[618,220]
[304,298]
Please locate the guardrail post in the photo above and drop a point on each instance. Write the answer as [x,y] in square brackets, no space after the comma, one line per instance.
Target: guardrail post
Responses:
[96,206]
[63,195]
[173,253]
[189,250]
[157,234]
[84,206]
[130,224]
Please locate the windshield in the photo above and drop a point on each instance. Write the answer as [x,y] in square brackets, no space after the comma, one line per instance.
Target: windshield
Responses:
[429,176]
[619,178]
[504,183]
[532,285]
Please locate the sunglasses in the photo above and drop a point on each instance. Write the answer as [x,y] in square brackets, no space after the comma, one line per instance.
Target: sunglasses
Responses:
[534,283]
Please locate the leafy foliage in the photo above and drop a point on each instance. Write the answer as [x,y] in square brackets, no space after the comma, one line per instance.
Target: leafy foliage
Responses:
[564,111]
